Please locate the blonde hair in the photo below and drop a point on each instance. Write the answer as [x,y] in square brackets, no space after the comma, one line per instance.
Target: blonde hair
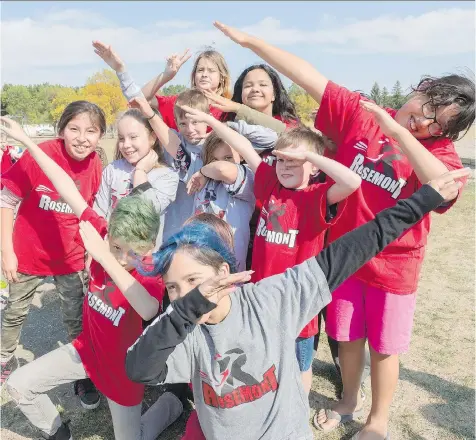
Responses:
[212,142]
[301,135]
[139,117]
[216,58]
[193,98]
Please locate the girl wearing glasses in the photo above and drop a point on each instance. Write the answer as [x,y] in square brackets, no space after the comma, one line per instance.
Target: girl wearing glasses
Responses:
[395,152]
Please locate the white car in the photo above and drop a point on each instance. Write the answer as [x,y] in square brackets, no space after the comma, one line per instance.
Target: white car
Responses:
[45,131]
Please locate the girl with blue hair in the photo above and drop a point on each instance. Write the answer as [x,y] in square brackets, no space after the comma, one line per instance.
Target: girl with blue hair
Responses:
[235,342]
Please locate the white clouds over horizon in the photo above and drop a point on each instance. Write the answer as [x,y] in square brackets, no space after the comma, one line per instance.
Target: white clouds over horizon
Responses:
[60,41]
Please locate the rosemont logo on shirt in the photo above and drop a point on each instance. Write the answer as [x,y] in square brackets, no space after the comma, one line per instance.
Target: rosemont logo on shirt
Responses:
[383,178]
[47,203]
[277,234]
[114,315]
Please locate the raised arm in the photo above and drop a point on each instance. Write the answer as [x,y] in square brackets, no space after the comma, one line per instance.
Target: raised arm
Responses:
[426,165]
[298,70]
[167,137]
[235,140]
[350,252]
[174,63]
[143,303]
[58,177]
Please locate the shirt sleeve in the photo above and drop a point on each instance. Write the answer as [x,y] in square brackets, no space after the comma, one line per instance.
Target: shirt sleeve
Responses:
[243,188]
[338,110]
[99,223]
[21,177]
[102,201]
[8,199]
[166,108]
[252,116]
[293,297]
[261,138]
[325,215]
[444,150]
[163,189]
[264,180]
[164,351]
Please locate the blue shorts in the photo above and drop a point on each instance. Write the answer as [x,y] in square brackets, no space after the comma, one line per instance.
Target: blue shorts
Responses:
[305,352]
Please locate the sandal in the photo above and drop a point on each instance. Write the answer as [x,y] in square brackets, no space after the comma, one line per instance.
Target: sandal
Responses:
[341,418]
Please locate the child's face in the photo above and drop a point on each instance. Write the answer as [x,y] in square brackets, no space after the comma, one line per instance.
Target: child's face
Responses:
[81,137]
[193,131]
[185,273]
[294,174]
[207,75]
[258,91]
[128,257]
[226,153]
[134,140]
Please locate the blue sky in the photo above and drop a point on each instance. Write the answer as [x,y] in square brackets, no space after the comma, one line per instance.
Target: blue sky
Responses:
[352,43]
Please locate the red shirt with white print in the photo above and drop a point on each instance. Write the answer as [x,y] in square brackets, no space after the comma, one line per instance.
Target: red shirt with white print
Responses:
[45,227]
[290,227]
[166,108]
[387,177]
[110,327]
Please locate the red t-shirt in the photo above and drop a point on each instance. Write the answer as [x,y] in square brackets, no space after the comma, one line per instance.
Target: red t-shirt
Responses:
[290,227]
[166,108]
[110,327]
[387,176]
[45,227]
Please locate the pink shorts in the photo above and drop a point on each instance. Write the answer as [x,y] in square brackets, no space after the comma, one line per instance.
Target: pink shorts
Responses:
[359,310]
[193,430]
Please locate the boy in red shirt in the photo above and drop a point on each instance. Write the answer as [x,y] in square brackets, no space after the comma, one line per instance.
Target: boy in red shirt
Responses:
[118,299]
[295,210]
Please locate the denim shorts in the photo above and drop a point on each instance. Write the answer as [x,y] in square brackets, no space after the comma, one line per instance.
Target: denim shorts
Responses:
[305,352]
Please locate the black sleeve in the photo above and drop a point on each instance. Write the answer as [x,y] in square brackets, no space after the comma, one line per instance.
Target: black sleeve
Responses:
[146,359]
[350,252]
[139,189]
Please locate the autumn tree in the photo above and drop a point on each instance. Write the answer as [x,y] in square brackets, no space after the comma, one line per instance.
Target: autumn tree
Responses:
[305,104]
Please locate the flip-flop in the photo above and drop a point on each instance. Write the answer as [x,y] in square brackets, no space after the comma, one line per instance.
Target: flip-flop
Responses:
[356,436]
[332,415]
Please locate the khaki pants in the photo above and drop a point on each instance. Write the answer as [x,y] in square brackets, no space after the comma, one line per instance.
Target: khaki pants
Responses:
[71,290]
[28,387]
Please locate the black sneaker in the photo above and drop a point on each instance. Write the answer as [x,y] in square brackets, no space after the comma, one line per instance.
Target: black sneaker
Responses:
[87,392]
[63,433]
[8,368]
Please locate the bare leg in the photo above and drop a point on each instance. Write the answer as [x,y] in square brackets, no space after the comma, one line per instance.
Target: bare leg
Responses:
[352,359]
[306,378]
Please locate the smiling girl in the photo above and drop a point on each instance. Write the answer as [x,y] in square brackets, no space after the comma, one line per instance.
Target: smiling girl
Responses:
[41,242]
[138,164]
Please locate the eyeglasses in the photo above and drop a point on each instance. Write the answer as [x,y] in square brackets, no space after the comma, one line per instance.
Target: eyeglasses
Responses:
[429,112]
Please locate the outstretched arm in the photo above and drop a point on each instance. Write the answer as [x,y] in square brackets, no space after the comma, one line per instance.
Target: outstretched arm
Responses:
[350,252]
[235,140]
[58,177]
[298,70]
[346,181]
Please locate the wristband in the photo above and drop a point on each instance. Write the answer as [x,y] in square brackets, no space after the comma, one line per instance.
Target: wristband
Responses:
[151,116]
[200,171]
[140,169]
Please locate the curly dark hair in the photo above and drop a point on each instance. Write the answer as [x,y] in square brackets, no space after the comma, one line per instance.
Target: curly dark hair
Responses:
[282,105]
[447,90]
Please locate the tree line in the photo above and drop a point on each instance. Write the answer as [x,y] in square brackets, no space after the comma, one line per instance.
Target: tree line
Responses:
[44,103]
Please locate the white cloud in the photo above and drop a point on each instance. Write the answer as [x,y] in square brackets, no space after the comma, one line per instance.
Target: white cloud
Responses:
[175,24]
[440,32]
[61,40]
